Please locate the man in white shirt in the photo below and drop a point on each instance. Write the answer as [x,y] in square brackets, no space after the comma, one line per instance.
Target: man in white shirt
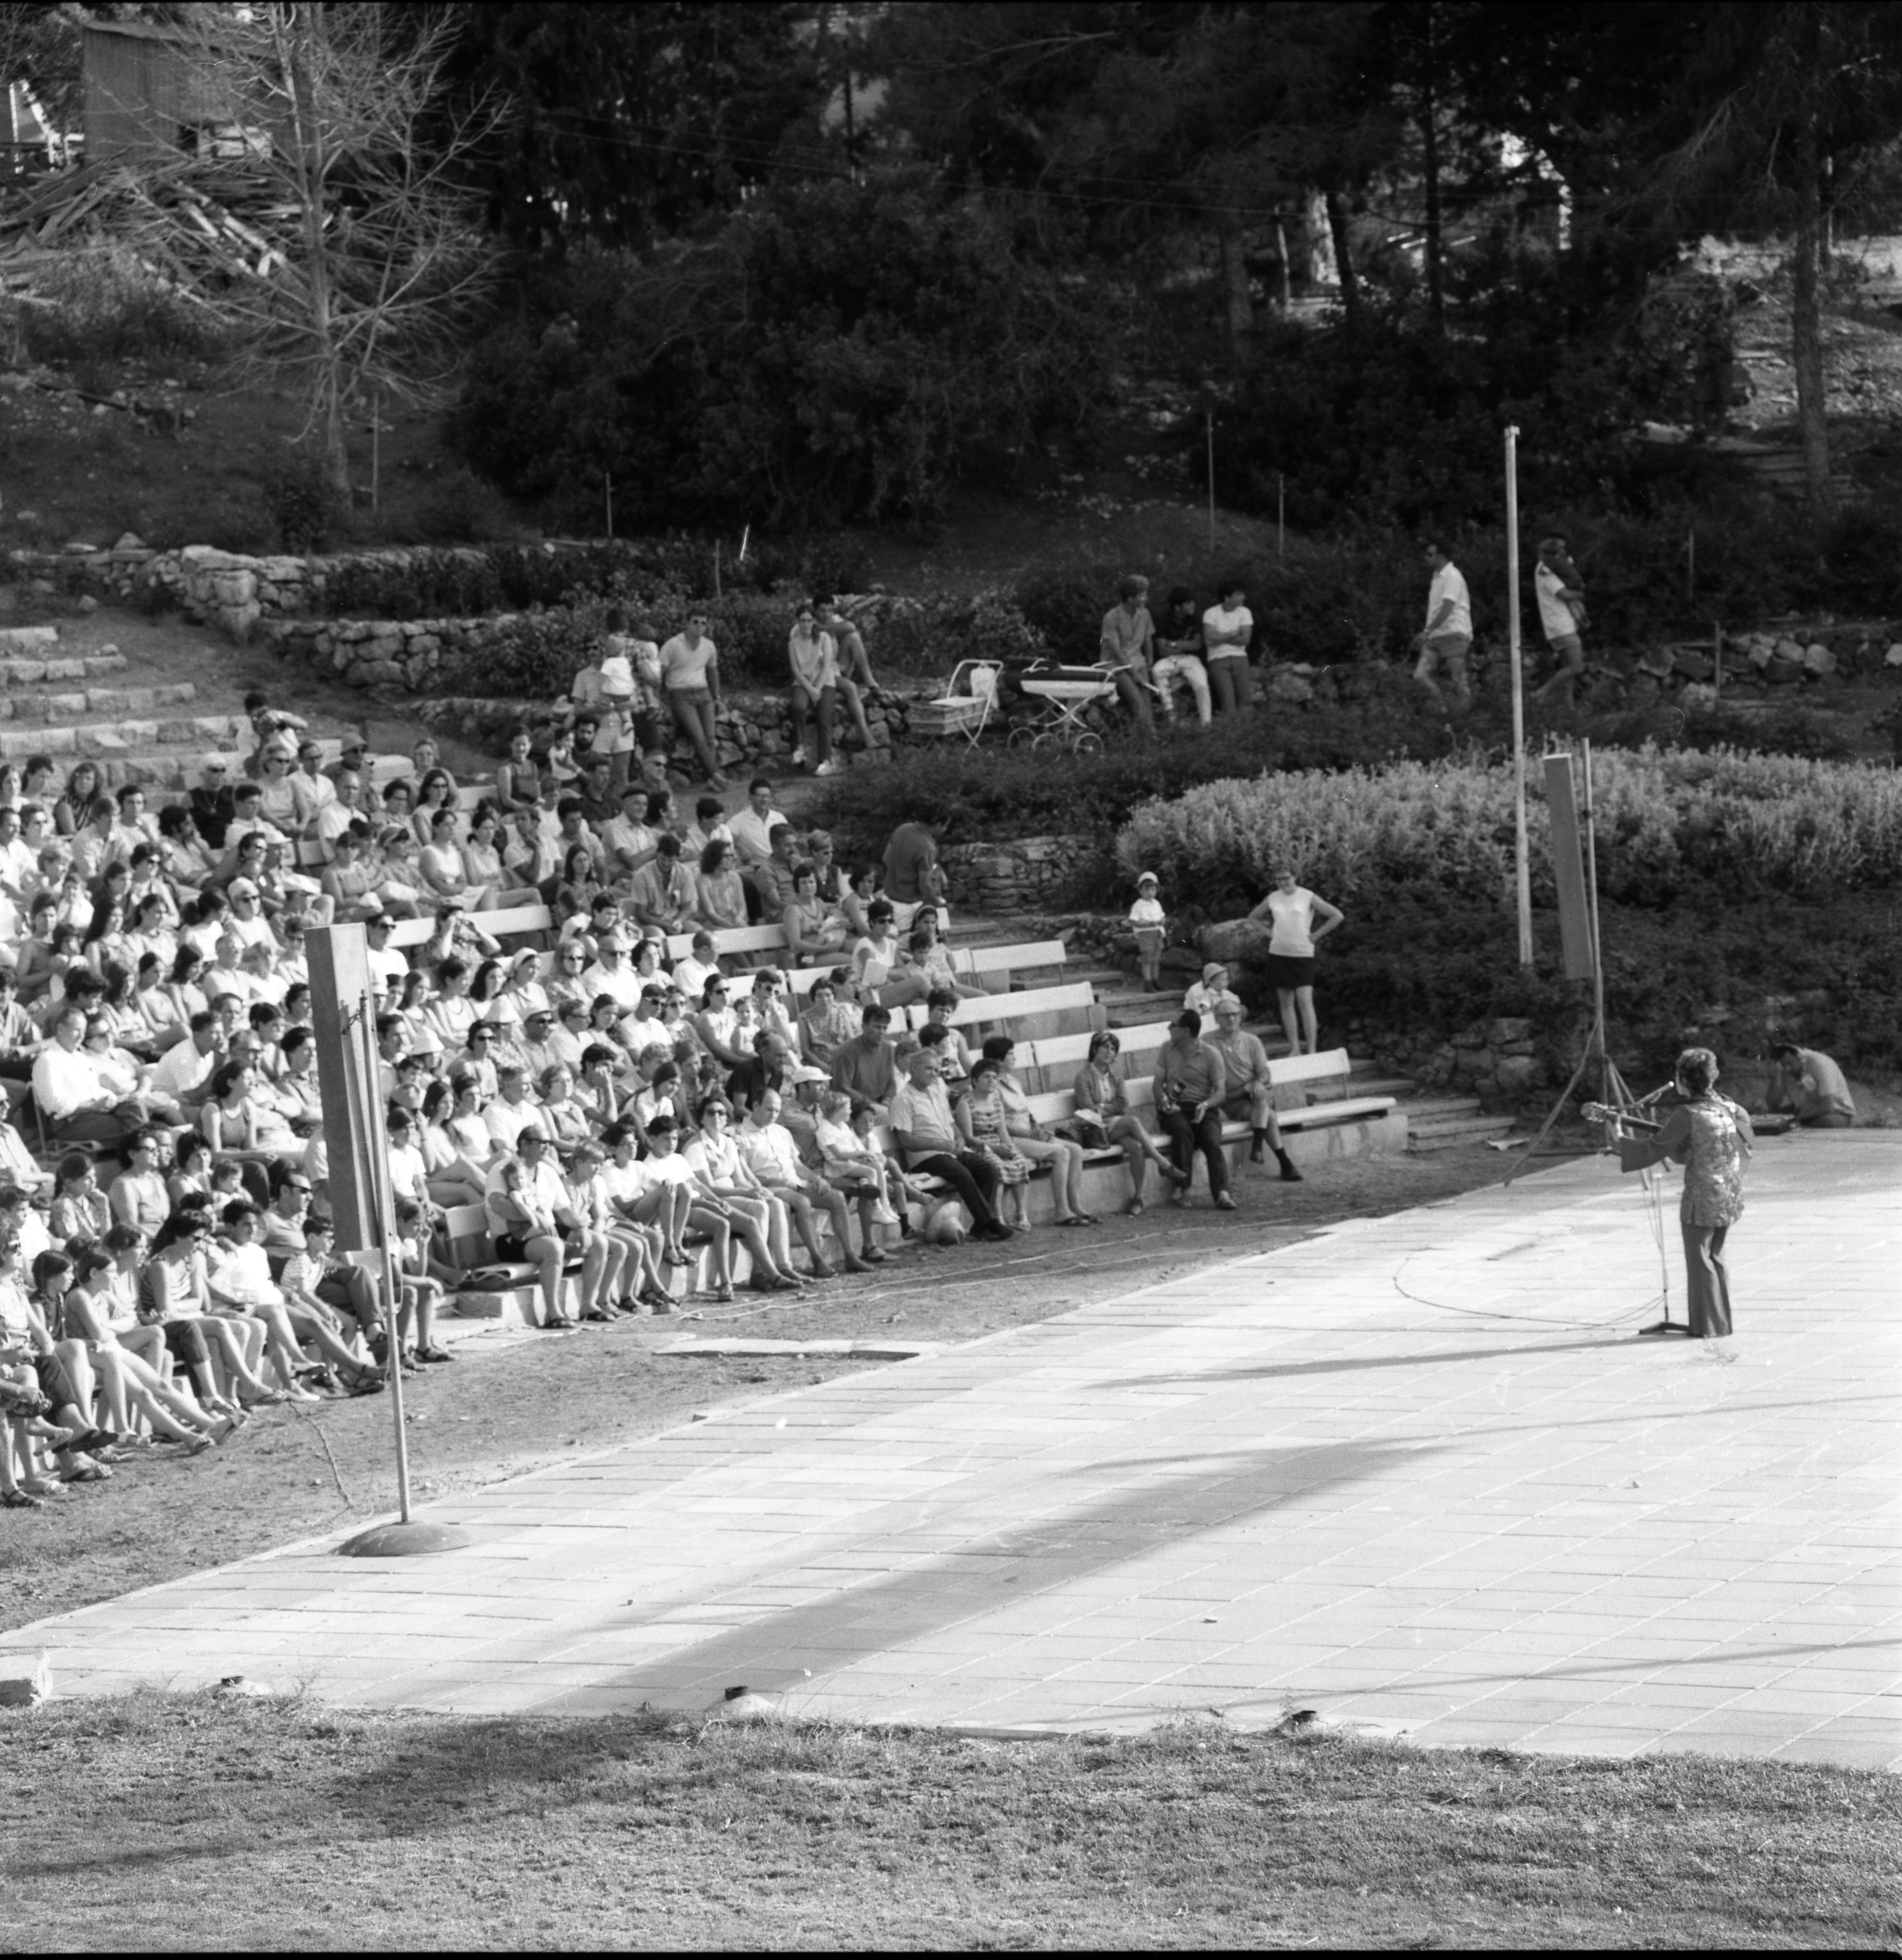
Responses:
[1561,595]
[1448,637]
[183,1073]
[387,966]
[512,1112]
[533,1218]
[644,1031]
[1227,626]
[771,1154]
[19,865]
[630,839]
[71,1091]
[752,827]
[612,973]
[312,791]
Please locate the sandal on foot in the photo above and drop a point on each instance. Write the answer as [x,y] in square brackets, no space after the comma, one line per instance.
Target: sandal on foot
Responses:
[1075,1218]
[434,1353]
[1133,1209]
[19,1500]
[723,1294]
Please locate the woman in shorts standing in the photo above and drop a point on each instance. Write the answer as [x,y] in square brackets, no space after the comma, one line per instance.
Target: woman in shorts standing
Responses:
[1300,920]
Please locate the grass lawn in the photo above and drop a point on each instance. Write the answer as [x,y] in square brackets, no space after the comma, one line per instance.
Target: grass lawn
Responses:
[210,1822]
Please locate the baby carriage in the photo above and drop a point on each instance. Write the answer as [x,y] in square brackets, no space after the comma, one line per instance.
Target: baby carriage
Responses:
[1063,696]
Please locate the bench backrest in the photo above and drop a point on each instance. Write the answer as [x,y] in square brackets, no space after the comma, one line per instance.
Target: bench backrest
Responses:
[1332,1065]
[732,939]
[1028,1016]
[497,925]
[1052,1063]
[466,1227]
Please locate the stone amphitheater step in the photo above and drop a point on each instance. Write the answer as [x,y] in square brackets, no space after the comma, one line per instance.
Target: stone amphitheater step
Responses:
[33,640]
[124,738]
[177,768]
[51,707]
[1446,1122]
[21,672]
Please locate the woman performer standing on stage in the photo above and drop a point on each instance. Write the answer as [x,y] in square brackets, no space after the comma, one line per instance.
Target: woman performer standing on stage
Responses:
[1711,1137]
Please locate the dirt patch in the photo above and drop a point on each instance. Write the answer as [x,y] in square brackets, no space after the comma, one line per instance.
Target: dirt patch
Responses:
[532,1401]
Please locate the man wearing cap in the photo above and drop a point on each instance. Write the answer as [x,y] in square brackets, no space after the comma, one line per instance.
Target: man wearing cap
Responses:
[354,758]
[805,1089]
[533,1218]
[538,1050]
[211,804]
[1247,1095]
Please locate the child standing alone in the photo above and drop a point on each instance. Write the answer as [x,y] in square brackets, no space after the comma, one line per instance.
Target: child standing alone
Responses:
[1152,930]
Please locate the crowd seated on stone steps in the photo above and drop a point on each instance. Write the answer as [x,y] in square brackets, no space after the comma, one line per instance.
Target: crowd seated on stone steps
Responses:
[710,1045]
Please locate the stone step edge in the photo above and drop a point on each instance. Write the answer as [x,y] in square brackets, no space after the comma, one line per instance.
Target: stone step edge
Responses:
[52,710]
[16,671]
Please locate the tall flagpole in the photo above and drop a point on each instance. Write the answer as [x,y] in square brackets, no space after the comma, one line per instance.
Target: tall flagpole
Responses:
[1522,863]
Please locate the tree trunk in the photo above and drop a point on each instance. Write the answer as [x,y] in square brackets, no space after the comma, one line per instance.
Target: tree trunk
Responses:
[1241,301]
[1430,163]
[1287,271]
[1806,326]
[291,28]
[1344,258]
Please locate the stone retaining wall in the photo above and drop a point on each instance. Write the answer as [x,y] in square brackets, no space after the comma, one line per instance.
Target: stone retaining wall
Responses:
[1020,874]
[231,590]
[751,729]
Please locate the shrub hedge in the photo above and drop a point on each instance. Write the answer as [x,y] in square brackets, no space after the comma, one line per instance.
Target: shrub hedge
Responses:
[1420,965]
[1671,825]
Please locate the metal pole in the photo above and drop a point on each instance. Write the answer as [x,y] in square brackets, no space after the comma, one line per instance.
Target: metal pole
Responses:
[1208,418]
[607,488]
[1280,517]
[1691,562]
[376,431]
[1588,822]
[716,567]
[1717,659]
[365,1031]
[1522,862]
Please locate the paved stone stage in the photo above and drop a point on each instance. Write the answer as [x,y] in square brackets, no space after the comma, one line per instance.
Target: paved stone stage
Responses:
[1416,1472]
